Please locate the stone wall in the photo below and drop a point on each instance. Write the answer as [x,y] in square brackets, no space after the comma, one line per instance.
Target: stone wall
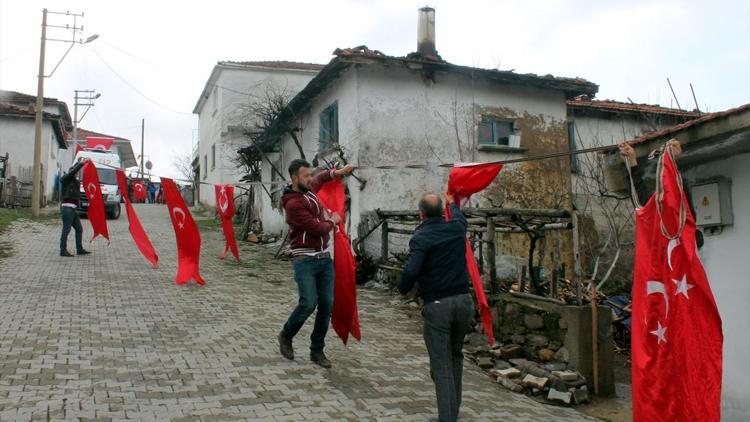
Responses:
[547,332]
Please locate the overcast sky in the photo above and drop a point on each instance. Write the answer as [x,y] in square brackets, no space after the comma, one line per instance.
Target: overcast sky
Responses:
[165,50]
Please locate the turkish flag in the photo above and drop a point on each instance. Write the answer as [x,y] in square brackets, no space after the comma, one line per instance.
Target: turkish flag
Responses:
[225,209]
[134,224]
[676,336]
[93,191]
[79,148]
[345,315]
[187,234]
[465,180]
[139,192]
[99,143]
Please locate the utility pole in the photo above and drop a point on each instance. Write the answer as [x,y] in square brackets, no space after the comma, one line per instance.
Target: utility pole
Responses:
[81,95]
[143,126]
[36,188]
[36,179]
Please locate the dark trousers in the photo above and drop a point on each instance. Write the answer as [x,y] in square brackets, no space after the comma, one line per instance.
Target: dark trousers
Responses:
[70,219]
[314,279]
[446,323]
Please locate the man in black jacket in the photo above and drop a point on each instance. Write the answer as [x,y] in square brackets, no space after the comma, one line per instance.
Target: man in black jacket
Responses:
[437,266]
[71,193]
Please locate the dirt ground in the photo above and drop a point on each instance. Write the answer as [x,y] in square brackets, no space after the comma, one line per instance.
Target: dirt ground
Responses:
[620,407]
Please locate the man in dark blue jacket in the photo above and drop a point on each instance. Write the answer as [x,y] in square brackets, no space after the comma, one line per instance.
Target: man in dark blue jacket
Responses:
[437,266]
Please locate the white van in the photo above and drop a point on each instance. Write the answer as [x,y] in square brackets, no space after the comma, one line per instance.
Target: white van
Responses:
[106,162]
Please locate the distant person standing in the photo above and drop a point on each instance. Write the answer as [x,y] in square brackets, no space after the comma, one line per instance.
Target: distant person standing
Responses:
[151,192]
[69,199]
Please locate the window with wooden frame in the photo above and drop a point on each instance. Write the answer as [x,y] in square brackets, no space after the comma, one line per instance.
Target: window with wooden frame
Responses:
[498,132]
[328,134]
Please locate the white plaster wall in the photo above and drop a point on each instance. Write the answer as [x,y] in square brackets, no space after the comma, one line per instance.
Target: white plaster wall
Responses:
[392,116]
[344,93]
[214,122]
[17,139]
[405,119]
[726,258]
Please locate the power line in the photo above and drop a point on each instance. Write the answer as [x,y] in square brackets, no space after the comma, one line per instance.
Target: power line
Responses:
[19,54]
[136,89]
[129,54]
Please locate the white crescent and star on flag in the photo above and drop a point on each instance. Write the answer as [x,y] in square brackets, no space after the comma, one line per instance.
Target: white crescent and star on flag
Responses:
[180,221]
[658,287]
[223,200]
[91,189]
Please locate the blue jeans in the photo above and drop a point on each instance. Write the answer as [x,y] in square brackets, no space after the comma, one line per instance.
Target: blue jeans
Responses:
[314,279]
[446,323]
[70,218]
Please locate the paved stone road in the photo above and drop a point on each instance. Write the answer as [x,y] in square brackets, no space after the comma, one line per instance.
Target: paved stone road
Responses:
[105,336]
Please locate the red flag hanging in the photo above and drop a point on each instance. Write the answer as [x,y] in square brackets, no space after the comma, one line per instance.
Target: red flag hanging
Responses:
[79,148]
[345,316]
[225,209]
[677,337]
[139,192]
[463,181]
[93,191]
[187,234]
[99,143]
[134,224]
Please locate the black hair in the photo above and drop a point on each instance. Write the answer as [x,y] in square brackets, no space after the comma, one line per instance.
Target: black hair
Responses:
[296,165]
[431,209]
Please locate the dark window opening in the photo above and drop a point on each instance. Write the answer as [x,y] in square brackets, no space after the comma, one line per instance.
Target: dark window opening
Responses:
[574,165]
[329,127]
[497,132]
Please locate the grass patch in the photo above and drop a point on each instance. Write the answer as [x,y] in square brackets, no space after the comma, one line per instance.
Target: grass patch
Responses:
[208,223]
[9,215]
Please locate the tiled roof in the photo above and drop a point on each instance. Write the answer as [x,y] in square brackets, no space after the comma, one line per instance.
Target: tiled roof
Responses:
[572,86]
[610,105]
[279,64]
[18,99]
[690,123]
[83,134]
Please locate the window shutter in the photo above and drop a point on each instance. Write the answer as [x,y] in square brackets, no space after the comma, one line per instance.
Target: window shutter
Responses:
[485,133]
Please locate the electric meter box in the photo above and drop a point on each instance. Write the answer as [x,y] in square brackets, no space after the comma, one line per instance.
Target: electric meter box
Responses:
[712,202]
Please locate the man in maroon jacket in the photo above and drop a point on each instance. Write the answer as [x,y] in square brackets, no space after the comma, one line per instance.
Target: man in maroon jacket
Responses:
[309,228]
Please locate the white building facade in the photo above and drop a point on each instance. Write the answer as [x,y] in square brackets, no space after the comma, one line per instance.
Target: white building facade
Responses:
[222,111]
[382,110]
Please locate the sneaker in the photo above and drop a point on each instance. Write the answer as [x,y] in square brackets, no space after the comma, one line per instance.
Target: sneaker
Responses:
[285,346]
[83,252]
[66,253]
[319,358]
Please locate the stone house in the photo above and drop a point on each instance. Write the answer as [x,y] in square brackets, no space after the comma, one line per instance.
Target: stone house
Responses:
[420,109]
[222,114]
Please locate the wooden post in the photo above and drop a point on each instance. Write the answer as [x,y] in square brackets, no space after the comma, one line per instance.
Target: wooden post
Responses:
[384,241]
[491,254]
[576,258]
[555,270]
[481,249]
[595,336]
[522,284]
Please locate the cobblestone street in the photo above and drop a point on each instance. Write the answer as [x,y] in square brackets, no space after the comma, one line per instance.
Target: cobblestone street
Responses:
[105,336]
